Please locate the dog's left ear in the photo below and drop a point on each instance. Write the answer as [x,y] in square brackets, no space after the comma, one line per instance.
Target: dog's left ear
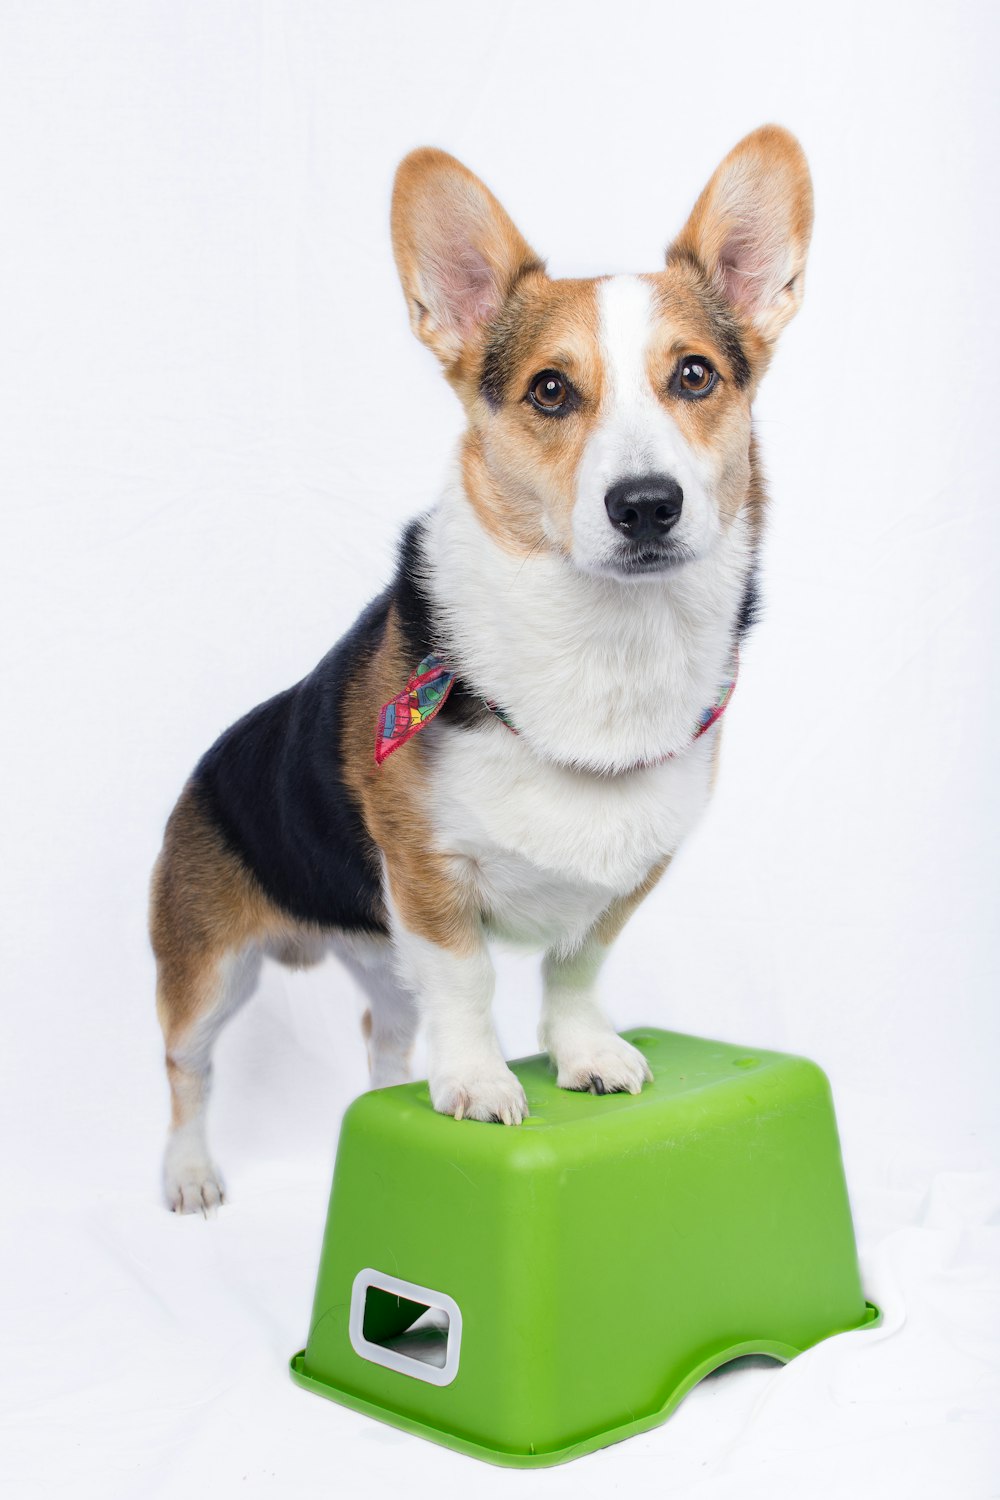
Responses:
[750,229]
[457,251]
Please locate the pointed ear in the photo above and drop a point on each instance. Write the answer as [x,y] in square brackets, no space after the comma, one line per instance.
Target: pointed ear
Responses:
[750,229]
[458,253]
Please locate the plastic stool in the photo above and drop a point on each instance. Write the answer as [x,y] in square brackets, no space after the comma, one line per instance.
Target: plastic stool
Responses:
[530,1294]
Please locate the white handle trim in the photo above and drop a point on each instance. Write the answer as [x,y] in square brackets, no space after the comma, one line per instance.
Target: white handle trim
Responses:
[391,1359]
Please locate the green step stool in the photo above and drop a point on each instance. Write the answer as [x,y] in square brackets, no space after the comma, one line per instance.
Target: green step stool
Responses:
[529,1294]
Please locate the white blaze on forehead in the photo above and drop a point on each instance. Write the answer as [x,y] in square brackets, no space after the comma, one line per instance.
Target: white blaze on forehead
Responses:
[641,436]
[626,324]
[635,436]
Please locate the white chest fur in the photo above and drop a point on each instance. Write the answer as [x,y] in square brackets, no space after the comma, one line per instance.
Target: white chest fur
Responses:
[604,673]
[548,848]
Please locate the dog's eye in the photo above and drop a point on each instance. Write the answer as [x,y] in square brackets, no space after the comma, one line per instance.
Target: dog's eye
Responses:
[548,391]
[696,376]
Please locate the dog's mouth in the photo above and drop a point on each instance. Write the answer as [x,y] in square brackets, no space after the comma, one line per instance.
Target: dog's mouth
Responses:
[643,558]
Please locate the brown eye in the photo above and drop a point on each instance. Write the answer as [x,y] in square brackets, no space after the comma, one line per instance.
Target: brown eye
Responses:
[696,376]
[548,391]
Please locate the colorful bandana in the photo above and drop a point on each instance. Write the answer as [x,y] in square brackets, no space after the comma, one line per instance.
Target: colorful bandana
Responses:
[714,712]
[423,697]
[429,686]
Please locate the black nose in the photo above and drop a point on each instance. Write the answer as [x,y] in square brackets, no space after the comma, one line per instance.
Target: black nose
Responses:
[644,508]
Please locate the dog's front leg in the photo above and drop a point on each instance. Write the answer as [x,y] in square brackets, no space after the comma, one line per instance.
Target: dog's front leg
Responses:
[454,984]
[587,1052]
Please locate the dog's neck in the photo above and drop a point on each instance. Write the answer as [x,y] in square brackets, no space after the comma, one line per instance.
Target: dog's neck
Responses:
[604,673]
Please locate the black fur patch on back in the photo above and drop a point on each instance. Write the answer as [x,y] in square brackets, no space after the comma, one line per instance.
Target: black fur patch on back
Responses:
[273,783]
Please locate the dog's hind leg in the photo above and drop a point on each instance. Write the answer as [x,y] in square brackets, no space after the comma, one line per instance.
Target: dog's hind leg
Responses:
[209,921]
[213,992]
[389,1025]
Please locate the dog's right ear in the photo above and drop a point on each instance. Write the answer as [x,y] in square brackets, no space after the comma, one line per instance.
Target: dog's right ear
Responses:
[457,251]
[750,229]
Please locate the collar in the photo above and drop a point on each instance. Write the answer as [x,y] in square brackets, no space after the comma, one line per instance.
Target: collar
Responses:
[426,692]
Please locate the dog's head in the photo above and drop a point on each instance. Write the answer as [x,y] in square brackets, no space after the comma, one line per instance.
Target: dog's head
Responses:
[609,419]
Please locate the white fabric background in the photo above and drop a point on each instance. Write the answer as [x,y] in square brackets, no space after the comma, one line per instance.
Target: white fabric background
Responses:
[214,421]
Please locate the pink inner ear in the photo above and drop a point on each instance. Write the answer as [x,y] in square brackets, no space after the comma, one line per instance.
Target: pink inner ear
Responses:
[466,286]
[751,263]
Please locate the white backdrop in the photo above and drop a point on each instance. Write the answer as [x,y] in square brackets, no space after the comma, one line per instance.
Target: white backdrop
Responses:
[214,421]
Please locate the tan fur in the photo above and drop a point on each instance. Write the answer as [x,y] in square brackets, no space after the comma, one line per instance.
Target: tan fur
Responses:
[689,325]
[535,458]
[756,495]
[610,923]
[393,799]
[768,170]
[512,520]
[520,469]
[434,197]
[367,1026]
[203,904]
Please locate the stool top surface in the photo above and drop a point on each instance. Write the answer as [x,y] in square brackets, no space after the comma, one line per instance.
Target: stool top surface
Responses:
[696,1081]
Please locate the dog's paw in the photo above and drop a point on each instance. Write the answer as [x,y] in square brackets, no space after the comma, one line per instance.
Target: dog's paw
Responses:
[607,1064]
[193,1186]
[496,1096]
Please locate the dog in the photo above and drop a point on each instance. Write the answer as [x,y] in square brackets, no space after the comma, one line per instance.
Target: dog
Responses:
[513,739]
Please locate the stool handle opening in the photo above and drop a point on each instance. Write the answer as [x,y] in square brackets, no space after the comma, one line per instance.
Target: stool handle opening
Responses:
[379,1331]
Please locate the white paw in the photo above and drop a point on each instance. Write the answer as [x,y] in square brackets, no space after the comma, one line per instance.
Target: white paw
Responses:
[496,1096]
[192,1185]
[605,1064]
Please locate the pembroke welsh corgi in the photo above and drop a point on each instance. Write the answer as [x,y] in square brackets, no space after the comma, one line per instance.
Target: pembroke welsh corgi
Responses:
[515,736]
